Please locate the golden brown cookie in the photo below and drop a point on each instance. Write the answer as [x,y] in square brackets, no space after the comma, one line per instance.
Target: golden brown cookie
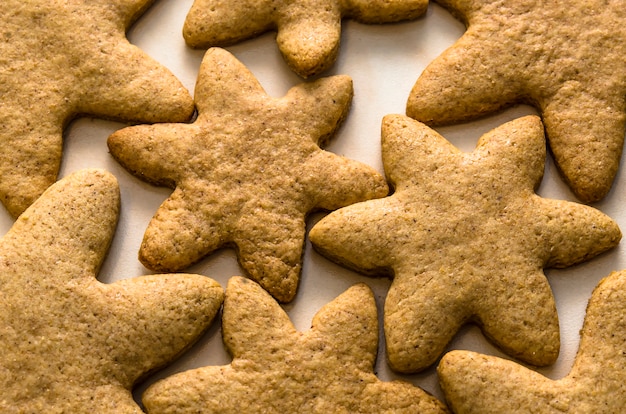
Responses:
[61,59]
[308,31]
[276,369]
[466,239]
[565,58]
[475,383]
[246,172]
[68,343]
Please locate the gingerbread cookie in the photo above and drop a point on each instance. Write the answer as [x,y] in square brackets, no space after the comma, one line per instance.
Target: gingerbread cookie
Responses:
[466,239]
[475,383]
[61,59]
[308,32]
[68,343]
[276,369]
[565,58]
[245,173]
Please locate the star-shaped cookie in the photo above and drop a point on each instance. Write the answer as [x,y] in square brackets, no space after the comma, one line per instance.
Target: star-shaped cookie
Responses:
[466,239]
[61,59]
[475,383]
[276,369]
[568,59]
[246,172]
[308,32]
[68,343]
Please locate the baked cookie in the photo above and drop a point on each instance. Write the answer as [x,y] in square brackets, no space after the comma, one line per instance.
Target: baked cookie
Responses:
[276,369]
[568,59]
[245,173]
[68,343]
[475,383]
[466,239]
[307,31]
[61,59]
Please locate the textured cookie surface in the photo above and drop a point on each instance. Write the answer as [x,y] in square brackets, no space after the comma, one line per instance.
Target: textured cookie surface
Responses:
[68,343]
[60,59]
[276,369]
[308,31]
[466,239]
[568,59]
[475,383]
[245,173]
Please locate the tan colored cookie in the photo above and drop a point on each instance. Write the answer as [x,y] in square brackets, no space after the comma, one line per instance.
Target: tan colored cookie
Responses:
[61,59]
[246,172]
[68,343]
[308,31]
[475,383]
[276,369]
[466,239]
[568,59]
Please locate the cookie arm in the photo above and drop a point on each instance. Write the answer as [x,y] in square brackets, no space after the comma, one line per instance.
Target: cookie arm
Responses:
[350,322]
[82,221]
[270,246]
[165,313]
[485,384]
[309,39]
[355,236]
[336,182]
[225,87]
[422,315]
[150,151]
[210,389]
[455,87]
[179,235]
[518,145]
[461,9]
[318,108]
[30,159]
[600,361]
[520,315]
[248,307]
[586,136]
[575,232]
[128,85]
[130,10]
[221,23]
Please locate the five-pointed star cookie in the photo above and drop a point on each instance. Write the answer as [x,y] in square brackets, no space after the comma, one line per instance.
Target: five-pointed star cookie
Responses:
[246,172]
[308,31]
[64,58]
[475,383]
[68,343]
[276,369]
[466,239]
[568,59]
